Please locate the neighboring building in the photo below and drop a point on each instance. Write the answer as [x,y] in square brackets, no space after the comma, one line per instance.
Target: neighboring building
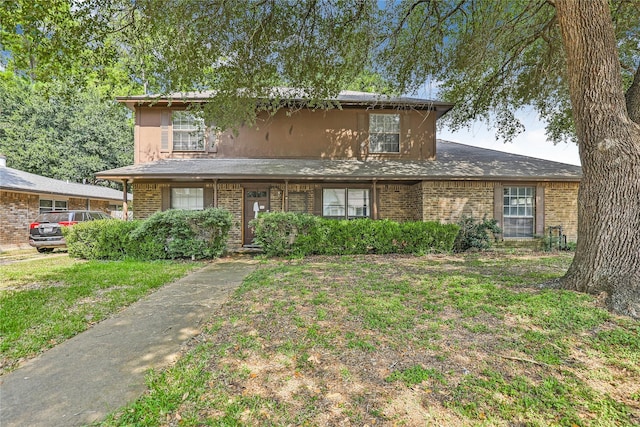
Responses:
[375,157]
[24,195]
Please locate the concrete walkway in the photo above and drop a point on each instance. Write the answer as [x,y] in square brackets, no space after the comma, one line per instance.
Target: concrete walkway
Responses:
[83,379]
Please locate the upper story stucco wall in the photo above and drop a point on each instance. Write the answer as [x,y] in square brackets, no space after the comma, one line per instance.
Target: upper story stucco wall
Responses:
[320,134]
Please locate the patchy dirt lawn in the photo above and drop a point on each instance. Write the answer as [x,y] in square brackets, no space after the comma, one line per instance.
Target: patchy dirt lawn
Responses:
[386,340]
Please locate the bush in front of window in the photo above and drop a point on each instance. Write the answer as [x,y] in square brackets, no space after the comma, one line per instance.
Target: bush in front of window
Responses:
[291,234]
[474,233]
[284,233]
[188,233]
[170,234]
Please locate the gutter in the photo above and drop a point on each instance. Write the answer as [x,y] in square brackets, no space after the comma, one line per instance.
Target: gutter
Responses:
[184,177]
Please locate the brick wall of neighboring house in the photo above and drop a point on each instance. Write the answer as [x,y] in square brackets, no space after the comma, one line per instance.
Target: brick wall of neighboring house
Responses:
[77,203]
[93,204]
[230,198]
[148,199]
[561,207]
[448,201]
[397,202]
[17,211]
[100,205]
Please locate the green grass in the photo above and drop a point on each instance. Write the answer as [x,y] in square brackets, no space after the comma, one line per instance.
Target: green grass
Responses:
[44,303]
[414,375]
[436,340]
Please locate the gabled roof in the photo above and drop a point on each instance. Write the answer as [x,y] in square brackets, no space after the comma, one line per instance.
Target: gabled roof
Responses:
[454,161]
[20,181]
[346,98]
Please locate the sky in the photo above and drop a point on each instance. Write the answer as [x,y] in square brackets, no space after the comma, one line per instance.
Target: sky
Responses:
[532,142]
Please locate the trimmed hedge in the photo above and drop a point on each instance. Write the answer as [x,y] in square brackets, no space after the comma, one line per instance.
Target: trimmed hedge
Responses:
[109,239]
[170,234]
[291,234]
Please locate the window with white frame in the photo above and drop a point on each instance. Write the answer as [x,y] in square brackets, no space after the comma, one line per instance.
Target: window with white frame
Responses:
[48,205]
[187,198]
[518,212]
[188,131]
[384,133]
[348,203]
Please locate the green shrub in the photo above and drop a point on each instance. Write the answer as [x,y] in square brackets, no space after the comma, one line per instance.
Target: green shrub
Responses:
[277,232]
[290,234]
[474,233]
[187,234]
[422,237]
[109,239]
[170,234]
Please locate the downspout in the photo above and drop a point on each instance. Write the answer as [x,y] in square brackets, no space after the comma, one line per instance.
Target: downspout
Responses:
[285,199]
[125,206]
[374,205]
[215,193]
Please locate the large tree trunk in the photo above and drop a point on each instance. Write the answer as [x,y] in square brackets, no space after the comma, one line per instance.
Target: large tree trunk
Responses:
[608,254]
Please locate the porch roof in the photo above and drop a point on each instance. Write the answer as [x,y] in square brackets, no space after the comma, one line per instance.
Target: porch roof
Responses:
[454,161]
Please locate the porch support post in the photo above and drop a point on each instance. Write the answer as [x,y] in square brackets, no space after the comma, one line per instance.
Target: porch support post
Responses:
[215,193]
[285,197]
[374,205]
[125,206]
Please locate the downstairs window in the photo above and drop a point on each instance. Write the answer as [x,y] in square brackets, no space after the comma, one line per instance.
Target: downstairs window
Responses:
[518,211]
[187,198]
[345,203]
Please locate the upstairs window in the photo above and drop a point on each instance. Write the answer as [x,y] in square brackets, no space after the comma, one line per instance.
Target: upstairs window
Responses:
[384,133]
[518,211]
[188,131]
[343,203]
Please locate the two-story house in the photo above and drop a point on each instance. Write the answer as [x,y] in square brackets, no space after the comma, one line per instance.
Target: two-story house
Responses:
[375,157]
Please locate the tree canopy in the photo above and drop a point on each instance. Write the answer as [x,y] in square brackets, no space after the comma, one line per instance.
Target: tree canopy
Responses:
[58,132]
[488,57]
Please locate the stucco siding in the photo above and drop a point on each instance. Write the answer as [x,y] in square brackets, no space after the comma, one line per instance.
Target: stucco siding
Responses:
[305,134]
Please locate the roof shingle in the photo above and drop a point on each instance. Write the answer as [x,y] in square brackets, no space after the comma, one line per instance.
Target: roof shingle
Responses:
[17,180]
[454,161]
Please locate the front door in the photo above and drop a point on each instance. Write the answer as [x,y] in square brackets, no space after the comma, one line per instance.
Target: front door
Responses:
[255,200]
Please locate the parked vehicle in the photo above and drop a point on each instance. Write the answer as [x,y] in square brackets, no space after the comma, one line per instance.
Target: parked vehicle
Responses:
[45,233]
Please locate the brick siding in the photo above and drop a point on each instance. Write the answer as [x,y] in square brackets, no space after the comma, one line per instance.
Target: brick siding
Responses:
[444,201]
[18,210]
[230,198]
[147,199]
[397,202]
[561,207]
[448,201]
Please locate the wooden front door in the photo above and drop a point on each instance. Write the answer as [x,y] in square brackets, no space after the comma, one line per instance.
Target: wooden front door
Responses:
[256,200]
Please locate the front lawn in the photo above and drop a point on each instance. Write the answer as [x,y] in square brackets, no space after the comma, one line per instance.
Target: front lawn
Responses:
[48,300]
[396,340]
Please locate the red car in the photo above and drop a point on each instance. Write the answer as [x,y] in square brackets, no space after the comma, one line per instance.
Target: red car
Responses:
[45,233]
